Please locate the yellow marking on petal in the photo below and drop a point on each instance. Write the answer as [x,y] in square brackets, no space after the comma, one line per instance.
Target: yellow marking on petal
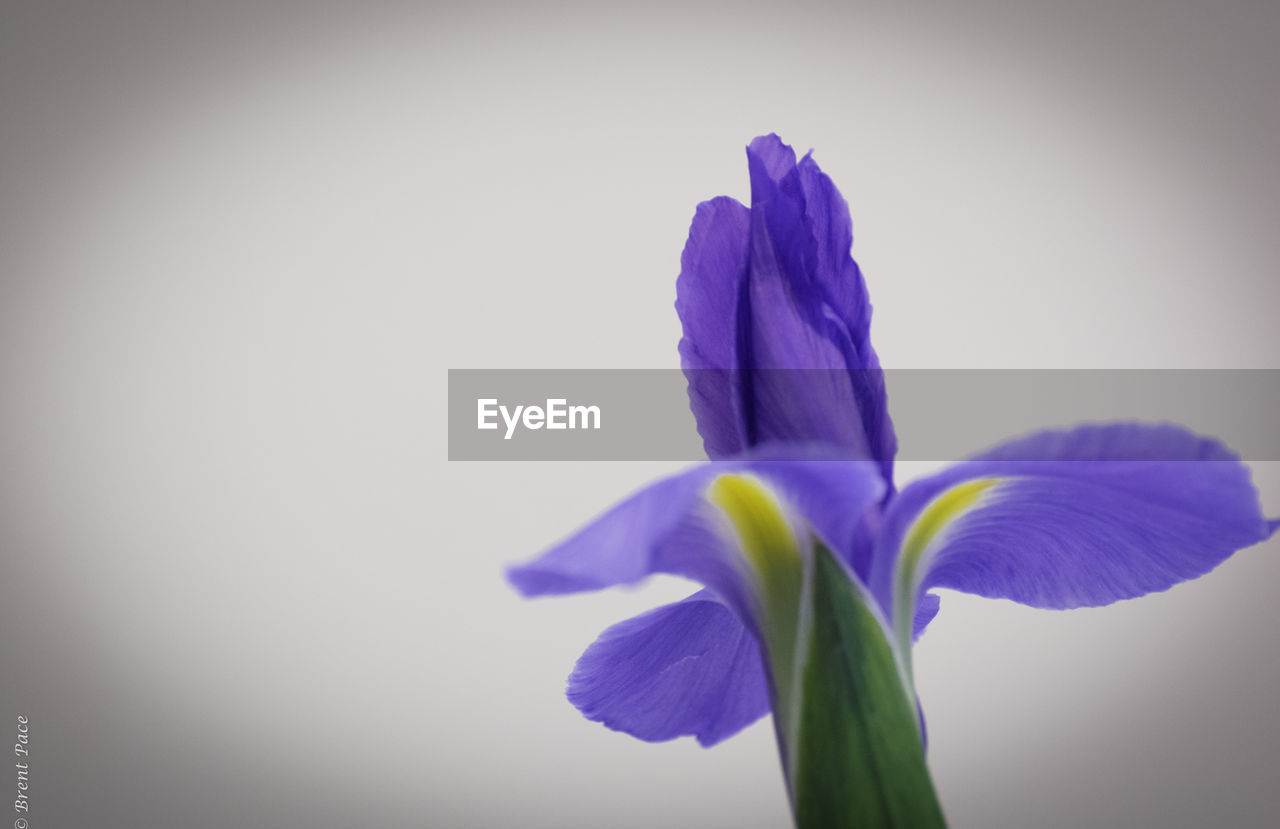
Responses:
[940,512]
[762,528]
[771,549]
[935,517]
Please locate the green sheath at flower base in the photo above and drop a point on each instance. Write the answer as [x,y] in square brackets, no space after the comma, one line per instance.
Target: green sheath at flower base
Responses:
[860,760]
[845,720]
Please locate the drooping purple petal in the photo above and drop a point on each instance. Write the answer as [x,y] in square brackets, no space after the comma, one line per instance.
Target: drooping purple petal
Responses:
[617,547]
[668,528]
[1081,517]
[692,668]
[926,610]
[689,668]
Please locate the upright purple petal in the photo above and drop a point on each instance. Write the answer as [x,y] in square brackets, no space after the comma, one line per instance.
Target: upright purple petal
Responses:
[776,161]
[799,387]
[689,668]
[1074,518]
[845,292]
[776,318]
[713,271]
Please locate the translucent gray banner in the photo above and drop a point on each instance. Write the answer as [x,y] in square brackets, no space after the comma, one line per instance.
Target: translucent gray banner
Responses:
[938,414]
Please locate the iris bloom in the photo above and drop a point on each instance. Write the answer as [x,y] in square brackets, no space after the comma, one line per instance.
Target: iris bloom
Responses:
[816,573]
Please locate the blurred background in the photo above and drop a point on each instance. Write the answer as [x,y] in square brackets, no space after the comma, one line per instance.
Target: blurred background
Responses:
[241,243]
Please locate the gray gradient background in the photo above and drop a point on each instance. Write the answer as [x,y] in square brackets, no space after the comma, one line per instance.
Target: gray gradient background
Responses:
[240,244]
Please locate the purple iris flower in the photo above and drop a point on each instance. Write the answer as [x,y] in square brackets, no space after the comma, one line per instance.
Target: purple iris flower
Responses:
[803,461]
